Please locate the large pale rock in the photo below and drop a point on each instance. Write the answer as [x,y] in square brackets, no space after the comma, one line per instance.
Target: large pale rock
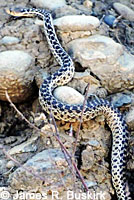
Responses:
[74,26]
[106,59]
[51,4]
[95,50]
[121,99]
[16,75]
[68,95]
[77,23]
[124,11]
[71,27]
[46,165]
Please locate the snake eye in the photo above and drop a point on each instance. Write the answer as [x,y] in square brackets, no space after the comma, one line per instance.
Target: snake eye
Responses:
[10,9]
[22,10]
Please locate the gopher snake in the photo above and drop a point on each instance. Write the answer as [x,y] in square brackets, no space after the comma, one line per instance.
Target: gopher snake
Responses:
[72,113]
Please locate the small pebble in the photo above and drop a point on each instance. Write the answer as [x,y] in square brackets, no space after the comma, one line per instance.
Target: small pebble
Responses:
[121,100]
[101,92]
[10,164]
[94,143]
[90,183]
[8,40]
[88,4]
[109,20]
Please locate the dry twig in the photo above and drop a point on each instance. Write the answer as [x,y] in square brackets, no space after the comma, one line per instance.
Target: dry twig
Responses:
[81,119]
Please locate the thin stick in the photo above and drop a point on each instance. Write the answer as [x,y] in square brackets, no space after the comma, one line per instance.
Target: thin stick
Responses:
[81,119]
[23,117]
[68,160]
[68,154]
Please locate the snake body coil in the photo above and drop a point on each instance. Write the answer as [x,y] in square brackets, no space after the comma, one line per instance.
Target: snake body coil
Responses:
[72,113]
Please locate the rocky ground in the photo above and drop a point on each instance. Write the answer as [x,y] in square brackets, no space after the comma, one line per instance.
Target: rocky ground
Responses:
[98,35]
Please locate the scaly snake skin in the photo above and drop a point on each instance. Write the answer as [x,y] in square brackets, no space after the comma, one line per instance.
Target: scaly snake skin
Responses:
[72,113]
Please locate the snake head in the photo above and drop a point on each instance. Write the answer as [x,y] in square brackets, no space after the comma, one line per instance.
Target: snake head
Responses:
[19,12]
